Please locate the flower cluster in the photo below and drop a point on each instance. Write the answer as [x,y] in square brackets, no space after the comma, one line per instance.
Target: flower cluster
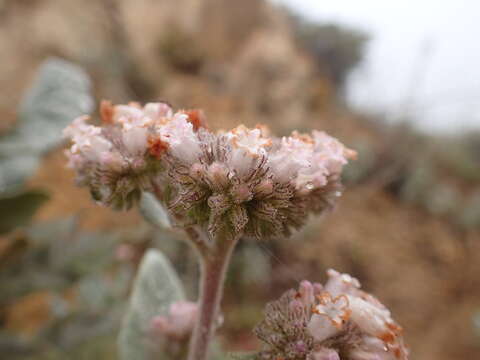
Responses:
[117,160]
[337,321]
[243,181]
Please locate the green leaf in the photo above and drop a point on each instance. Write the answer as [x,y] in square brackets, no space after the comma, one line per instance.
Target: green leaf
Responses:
[60,93]
[17,210]
[153,211]
[156,287]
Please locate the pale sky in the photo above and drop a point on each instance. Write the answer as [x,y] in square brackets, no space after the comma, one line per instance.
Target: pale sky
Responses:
[423,59]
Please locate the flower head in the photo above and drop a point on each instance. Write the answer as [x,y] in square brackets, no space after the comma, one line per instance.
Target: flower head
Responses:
[349,325]
[243,181]
[118,159]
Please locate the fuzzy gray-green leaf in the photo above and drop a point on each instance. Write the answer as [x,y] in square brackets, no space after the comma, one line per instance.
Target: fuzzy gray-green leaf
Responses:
[153,211]
[60,93]
[156,287]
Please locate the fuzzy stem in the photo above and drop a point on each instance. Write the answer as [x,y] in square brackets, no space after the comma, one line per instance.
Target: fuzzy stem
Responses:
[213,267]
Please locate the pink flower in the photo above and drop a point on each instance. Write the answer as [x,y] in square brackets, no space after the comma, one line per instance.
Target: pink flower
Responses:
[127,115]
[340,317]
[375,349]
[292,156]
[338,283]
[382,335]
[157,111]
[87,139]
[329,316]
[247,146]
[135,140]
[331,152]
[325,354]
[182,140]
[373,319]
[307,292]
[179,322]
[136,121]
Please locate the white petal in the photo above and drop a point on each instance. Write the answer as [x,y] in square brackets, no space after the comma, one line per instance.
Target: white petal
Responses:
[370,318]
[135,140]
[321,327]
[338,283]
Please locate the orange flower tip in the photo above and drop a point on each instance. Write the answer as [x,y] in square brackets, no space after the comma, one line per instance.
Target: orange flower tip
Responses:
[264,129]
[307,139]
[395,328]
[351,154]
[197,118]
[387,337]
[135,104]
[106,111]
[347,315]
[157,147]
[324,298]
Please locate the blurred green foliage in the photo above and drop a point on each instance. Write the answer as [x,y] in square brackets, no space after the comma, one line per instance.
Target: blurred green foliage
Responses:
[59,260]
[17,210]
[60,92]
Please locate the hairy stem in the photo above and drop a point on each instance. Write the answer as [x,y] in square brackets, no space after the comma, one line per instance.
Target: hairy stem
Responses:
[214,267]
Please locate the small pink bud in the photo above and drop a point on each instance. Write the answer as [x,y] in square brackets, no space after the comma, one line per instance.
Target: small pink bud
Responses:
[264,188]
[326,354]
[241,193]
[301,347]
[179,322]
[112,161]
[138,164]
[159,324]
[306,292]
[196,171]
[318,289]
[124,252]
[218,174]
[295,305]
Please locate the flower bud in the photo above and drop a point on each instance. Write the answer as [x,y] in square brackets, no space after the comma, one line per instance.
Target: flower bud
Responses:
[306,291]
[325,354]
[112,161]
[241,193]
[179,322]
[264,188]
[125,252]
[218,175]
[197,171]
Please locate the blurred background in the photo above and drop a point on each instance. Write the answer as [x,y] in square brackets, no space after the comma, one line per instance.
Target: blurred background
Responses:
[398,81]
